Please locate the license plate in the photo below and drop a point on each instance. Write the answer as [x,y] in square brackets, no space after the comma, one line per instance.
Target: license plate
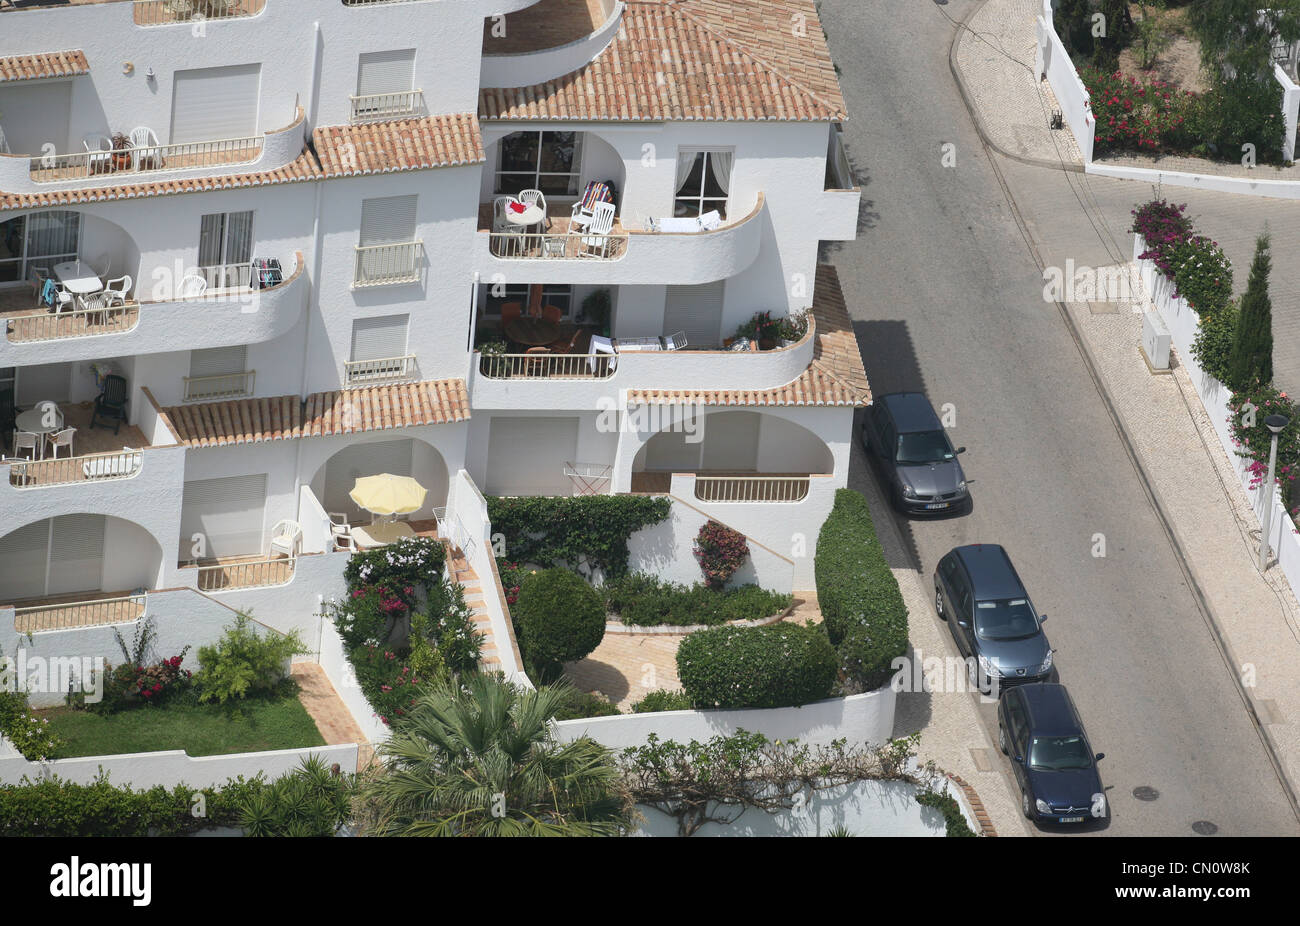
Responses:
[937,505]
[1070,819]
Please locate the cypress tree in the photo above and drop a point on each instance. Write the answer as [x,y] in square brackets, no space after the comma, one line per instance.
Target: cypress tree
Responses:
[1252,347]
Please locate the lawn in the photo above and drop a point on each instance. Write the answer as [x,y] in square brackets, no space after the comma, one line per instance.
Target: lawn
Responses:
[199,729]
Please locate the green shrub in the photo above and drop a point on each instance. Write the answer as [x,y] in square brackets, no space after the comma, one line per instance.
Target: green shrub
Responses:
[662,700]
[781,665]
[720,551]
[585,529]
[867,653]
[409,563]
[954,822]
[1212,347]
[388,681]
[1244,110]
[1202,274]
[310,801]
[369,615]
[645,601]
[448,625]
[587,704]
[29,734]
[559,618]
[244,662]
[1251,359]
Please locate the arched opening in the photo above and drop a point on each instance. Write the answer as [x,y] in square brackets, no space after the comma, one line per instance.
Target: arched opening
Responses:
[35,243]
[335,478]
[731,443]
[77,556]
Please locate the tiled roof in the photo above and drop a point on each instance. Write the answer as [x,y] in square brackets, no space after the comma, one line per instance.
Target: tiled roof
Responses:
[692,60]
[50,64]
[835,376]
[408,144]
[304,167]
[251,421]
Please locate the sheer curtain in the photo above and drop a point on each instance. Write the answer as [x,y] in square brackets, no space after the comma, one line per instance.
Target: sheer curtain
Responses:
[721,162]
[685,161]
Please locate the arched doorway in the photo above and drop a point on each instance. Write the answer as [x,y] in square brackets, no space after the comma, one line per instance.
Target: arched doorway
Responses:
[77,554]
[735,442]
[404,457]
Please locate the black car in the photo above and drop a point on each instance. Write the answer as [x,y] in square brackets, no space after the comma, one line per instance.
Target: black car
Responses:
[1040,729]
[905,435]
[979,593]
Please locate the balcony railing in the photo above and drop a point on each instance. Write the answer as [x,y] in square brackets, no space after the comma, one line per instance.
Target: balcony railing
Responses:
[543,246]
[227,276]
[163,12]
[85,165]
[220,577]
[384,370]
[380,107]
[220,386]
[72,323]
[751,488]
[91,467]
[546,366]
[388,264]
[89,613]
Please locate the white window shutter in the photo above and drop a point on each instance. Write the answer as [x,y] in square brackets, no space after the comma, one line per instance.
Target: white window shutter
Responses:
[388,220]
[219,361]
[386,72]
[378,338]
[215,103]
[228,512]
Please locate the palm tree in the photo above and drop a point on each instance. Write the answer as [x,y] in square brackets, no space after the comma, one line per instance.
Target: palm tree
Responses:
[480,760]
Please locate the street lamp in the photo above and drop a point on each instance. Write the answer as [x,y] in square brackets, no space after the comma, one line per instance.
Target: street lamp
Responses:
[1276,424]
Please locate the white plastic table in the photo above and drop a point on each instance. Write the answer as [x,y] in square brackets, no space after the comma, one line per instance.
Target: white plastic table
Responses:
[532,215]
[78,278]
[34,422]
[381,535]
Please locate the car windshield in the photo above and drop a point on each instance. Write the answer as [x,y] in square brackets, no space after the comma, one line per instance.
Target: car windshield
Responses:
[1059,753]
[1008,619]
[923,447]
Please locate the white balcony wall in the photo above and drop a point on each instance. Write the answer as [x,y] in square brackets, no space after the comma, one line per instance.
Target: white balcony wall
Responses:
[535,67]
[438,304]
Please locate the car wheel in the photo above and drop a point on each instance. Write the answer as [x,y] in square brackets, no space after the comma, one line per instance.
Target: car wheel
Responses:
[1002,740]
[938,605]
[1026,806]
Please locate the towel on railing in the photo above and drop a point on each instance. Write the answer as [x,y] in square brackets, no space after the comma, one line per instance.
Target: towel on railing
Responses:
[50,293]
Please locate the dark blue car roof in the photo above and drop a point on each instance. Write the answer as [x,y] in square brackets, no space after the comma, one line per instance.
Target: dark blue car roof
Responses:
[911,412]
[1051,709]
[990,571]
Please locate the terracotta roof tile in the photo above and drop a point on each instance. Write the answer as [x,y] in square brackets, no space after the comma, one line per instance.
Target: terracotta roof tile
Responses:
[250,421]
[50,64]
[692,59]
[407,144]
[304,167]
[835,376]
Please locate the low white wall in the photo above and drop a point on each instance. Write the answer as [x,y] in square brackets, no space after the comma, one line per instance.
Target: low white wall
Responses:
[316,534]
[1182,321]
[528,68]
[1290,110]
[338,670]
[1054,63]
[860,718]
[296,604]
[864,808]
[665,550]
[143,770]
[1274,189]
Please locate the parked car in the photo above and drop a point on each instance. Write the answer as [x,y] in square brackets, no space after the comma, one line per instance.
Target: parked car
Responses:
[1040,729]
[905,435]
[979,593]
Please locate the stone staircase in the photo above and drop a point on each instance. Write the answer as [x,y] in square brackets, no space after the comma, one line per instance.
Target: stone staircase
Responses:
[462,573]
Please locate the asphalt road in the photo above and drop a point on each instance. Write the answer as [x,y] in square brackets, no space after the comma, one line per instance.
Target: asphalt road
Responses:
[947,300]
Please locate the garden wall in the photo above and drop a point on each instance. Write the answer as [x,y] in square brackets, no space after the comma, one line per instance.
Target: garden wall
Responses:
[1183,323]
[864,808]
[861,718]
[334,661]
[1053,62]
[296,604]
[173,767]
[665,550]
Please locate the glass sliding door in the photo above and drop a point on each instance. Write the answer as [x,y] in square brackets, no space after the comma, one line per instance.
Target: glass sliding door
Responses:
[226,249]
[39,240]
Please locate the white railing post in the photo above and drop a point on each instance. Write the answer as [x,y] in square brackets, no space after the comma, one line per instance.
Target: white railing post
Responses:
[84,165]
[219,386]
[44,617]
[382,370]
[92,467]
[386,264]
[378,107]
[546,366]
[262,573]
[780,489]
[563,246]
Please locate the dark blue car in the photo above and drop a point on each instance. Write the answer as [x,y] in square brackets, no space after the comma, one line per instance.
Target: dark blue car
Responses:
[1040,729]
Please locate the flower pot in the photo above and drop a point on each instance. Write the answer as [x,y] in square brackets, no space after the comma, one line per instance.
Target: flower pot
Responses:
[766,343]
[121,161]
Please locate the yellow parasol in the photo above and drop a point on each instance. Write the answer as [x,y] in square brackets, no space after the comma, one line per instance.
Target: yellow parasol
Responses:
[388,494]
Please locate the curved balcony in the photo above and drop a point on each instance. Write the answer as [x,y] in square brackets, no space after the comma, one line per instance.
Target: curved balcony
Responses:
[522,66]
[626,257]
[268,151]
[557,381]
[173,12]
[218,318]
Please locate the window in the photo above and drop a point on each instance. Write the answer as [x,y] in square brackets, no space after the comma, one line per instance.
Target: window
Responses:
[386,72]
[546,161]
[226,249]
[379,338]
[703,183]
[552,294]
[388,251]
[388,220]
[40,240]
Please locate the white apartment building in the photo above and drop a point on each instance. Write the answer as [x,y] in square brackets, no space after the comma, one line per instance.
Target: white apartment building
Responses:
[166,149]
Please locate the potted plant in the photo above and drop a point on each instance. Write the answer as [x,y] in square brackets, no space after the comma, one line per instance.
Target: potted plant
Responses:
[121,157]
[596,309]
[793,327]
[763,328]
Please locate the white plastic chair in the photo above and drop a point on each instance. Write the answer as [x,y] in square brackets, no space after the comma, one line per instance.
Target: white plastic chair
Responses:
[101,264]
[27,440]
[602,345]
[286,537]
[192,286]
[595,238]
[341,531]
[98,145]
[62,439]
[4,145]
[675,341]
[115,291]
[499,221]
[535,198]
[146,147]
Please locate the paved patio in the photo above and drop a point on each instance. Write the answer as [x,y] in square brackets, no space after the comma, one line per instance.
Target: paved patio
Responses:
[331,715]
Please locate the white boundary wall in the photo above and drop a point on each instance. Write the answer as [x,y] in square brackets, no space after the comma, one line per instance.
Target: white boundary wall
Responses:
[1181,319]
[171,768]
[859,718]
[339,671]
[1052,62]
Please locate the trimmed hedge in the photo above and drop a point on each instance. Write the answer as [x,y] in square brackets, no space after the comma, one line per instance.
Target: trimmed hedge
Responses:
[862,607]
[955,824]
[781,665]
[587,704]
[594,528]
[558,618]
[646,601]
[662,699]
